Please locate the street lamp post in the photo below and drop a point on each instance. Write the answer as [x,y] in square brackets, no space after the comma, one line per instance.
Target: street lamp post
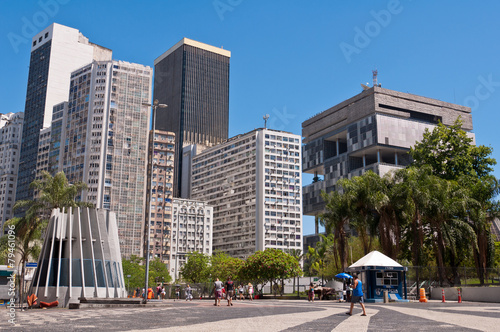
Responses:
[155,105]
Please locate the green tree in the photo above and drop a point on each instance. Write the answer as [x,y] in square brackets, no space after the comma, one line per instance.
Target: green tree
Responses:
[322,257]
[52,193]
[271,265]
[335,219]
[135,269]
[298,255]
[224,266]
[158,272]
[360,191]
[197,268]
[388,215]
[413,195]
[497,254]
[450,153]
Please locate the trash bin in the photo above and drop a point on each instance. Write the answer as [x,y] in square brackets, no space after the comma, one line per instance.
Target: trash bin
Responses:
[386,296]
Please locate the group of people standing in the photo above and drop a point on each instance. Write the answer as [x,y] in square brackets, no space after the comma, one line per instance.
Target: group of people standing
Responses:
[227,290]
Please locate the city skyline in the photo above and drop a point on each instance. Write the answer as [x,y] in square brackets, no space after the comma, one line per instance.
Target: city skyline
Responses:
[290,61]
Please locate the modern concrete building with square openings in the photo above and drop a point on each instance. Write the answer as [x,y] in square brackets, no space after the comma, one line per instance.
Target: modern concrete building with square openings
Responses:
[373,130]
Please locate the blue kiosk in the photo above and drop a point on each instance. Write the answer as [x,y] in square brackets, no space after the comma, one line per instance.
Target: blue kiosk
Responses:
[380,273]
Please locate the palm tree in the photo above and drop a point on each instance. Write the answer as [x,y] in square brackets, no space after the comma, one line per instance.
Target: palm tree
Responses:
[335,219]
[412,192]
[384,202]
[52,193]
[297,254]
[481,210]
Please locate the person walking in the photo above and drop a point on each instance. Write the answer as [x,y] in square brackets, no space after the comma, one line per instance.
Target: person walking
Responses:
[217,291]
[311,292]
[229,291]
[163,293]
[240,292]
[250,291]
[178,293]
[357,295]
[189,293]
[158,291]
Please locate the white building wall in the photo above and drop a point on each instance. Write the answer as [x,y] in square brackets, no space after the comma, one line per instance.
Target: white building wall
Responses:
[253,181]
[11,128]
[191,231]
[107,142]
[69,50]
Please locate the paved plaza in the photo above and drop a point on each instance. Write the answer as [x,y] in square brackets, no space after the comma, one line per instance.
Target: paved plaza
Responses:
[265,315]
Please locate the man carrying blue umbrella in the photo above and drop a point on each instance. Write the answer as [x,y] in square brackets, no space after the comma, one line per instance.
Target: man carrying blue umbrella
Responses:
[357,296]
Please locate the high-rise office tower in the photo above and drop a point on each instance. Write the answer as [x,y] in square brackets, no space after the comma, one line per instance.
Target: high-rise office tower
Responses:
[55,53]
[192,78]
[11,127]
[106,142]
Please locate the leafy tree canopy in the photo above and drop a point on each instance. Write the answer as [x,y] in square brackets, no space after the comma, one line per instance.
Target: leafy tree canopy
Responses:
[450,153]
[197,268]
[224,266]
[271,264]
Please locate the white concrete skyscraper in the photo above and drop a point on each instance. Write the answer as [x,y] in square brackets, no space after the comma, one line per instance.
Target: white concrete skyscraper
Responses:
[253,183]
[11,127]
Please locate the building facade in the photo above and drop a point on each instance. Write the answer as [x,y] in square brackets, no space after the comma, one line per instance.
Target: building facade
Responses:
[55,52]
[253,181]
[106,142]
[57,135]
[192,78]
[192,223]
[160,187]
[373,130]
[42,160]
[11,128]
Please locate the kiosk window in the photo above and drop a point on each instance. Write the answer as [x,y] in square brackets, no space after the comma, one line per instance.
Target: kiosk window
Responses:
[387,278]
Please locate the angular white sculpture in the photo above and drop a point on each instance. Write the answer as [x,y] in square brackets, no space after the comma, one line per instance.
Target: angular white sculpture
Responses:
[80,257]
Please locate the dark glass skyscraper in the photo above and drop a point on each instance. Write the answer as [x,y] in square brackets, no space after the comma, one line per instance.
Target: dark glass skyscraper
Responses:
[192,78]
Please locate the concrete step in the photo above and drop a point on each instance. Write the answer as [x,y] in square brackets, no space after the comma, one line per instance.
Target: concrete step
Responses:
[95,300]
[110,305]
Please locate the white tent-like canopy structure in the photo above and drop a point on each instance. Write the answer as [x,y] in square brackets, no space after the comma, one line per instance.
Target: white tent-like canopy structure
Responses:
[381,274]
[376,260]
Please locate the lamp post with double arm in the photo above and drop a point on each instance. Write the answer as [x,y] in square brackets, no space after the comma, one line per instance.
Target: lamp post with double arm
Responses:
[155,106]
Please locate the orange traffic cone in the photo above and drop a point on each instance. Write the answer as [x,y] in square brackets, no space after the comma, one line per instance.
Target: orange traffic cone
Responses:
[422,295]
[459,296]
[442,295]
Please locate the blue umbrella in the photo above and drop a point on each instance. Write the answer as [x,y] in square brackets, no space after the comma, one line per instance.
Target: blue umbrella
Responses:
[343,276]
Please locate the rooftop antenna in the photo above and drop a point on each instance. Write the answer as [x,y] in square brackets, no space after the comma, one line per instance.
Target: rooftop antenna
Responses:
[365,86]
[265,117]
[375,81]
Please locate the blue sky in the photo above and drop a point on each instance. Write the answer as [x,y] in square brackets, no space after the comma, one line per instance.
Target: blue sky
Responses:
[290,59]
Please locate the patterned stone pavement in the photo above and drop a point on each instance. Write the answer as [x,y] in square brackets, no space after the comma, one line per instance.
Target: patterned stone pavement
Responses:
[264,315]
